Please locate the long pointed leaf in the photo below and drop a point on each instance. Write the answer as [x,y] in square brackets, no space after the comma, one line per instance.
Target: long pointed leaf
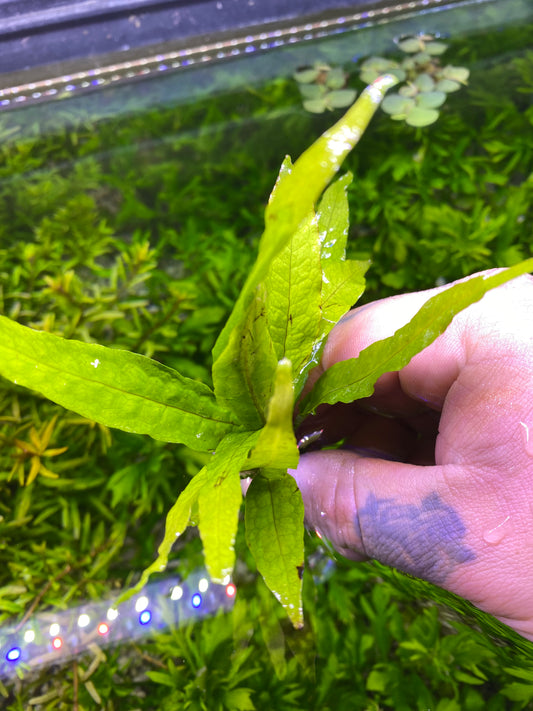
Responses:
[226,462]
[244,373]
[274,515]
[219,501]
[353,379]
[114,387]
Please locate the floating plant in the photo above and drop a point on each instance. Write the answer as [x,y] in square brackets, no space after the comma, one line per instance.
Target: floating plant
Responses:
[427,82]
[324,88]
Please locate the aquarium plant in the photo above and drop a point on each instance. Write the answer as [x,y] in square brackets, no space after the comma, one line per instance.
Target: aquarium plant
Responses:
[425,82]
[324,87]
[244,425]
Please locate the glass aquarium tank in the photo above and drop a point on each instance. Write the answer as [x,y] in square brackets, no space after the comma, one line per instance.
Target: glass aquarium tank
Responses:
[139,145]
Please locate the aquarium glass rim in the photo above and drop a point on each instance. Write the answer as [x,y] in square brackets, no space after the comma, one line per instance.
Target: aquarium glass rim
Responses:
[61,80]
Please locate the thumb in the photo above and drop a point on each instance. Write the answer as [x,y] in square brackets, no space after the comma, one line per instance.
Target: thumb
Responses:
[399,514]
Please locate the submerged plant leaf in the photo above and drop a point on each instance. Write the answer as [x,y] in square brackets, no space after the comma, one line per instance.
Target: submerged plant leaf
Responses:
[114,387]
[274,516]
[353,379]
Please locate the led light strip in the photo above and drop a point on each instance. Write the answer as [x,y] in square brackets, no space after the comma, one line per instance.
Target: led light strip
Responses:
[62,86]
[52,637]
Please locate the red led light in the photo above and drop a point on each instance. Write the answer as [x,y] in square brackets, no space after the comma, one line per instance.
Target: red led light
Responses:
[103,628]
[57,643]
[231,590]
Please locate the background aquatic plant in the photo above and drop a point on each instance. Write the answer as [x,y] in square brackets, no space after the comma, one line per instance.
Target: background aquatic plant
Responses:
[427,82]
[324,88]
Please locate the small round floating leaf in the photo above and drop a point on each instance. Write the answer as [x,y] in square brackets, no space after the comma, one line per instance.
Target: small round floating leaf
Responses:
[367,76]
[340,98]
[447,85]
[459,74]
[421,117]
[431,99]
[410,45]
[306,76]
[408,90]
[424,82]
[408,65]
[434,48]
[336,79]
[380,64]
[315,106]
[312,91]
[373,67]
[398,72]
[395,104]
[422,58]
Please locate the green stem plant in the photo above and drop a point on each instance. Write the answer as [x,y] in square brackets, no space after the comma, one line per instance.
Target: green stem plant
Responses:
[298,288]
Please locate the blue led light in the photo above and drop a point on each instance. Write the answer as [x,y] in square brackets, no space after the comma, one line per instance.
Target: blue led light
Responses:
[196,600]
[145,617]
[14,654]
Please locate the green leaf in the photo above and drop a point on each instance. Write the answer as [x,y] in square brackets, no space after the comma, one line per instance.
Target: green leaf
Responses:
[447,85]
[219,502]
[431,99]
[424,82]
[293,290]
[315,106]
[239,699]
[353,379]
[422,58]
[244,373]
[419,116]
[293,200]
[227,461]
[397,105]
[276,446]
[517,691]
[274,515]
[410,45]
[306,76]
[336,78]
[343,280]
[313,91]
[456,74]
[113,387]
[435,48]
[340,98]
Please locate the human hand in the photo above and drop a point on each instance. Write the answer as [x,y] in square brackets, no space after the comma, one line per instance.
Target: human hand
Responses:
[435,476]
